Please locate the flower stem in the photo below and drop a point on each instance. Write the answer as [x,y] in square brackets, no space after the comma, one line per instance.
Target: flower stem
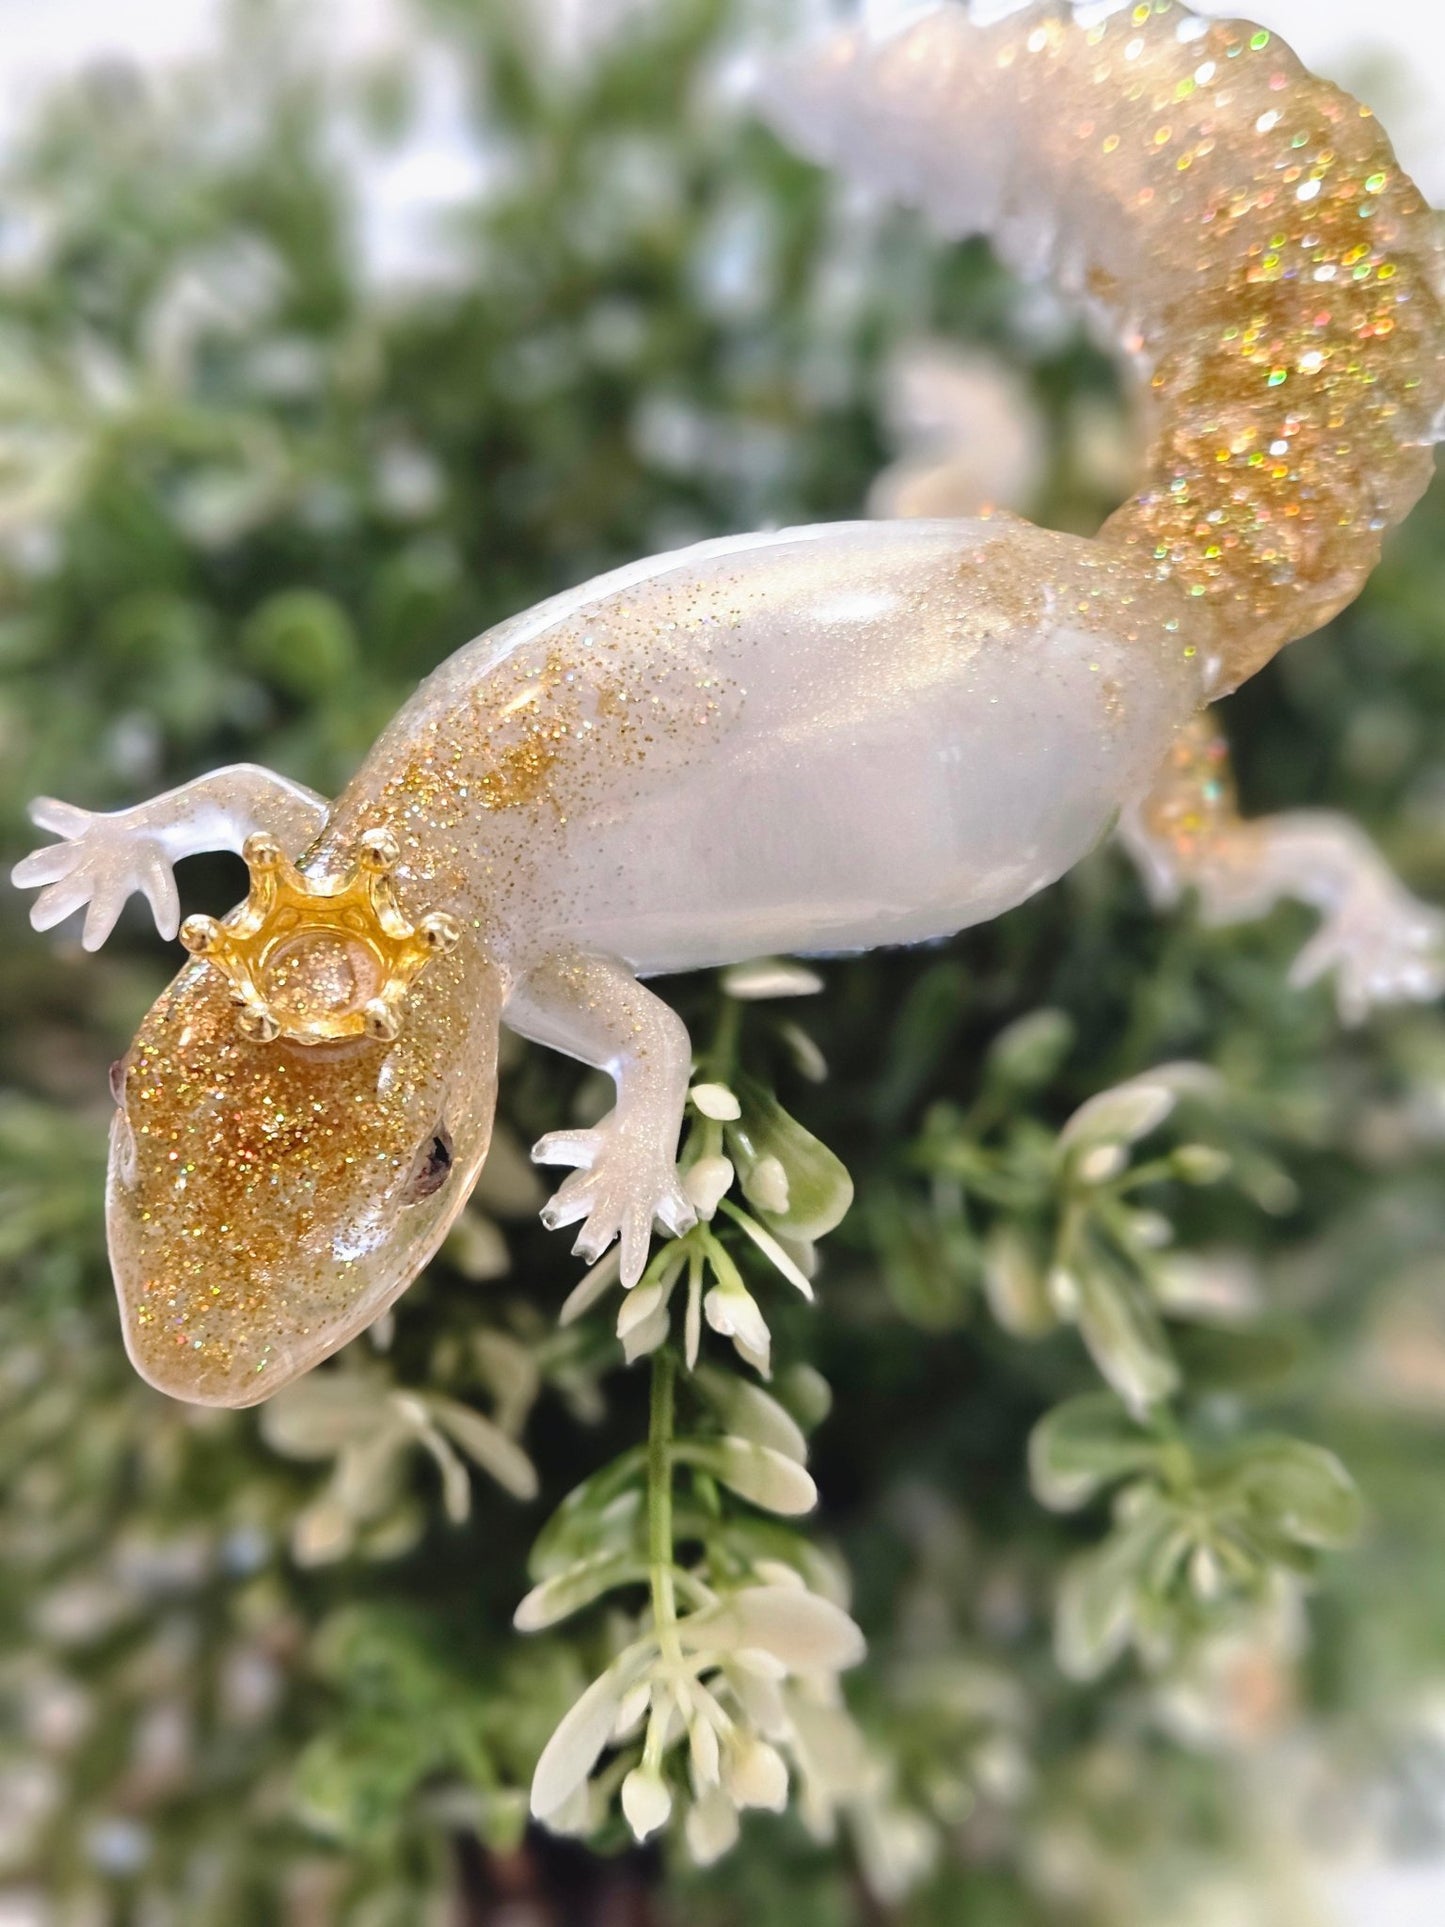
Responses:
[659,1501]
[723,1057]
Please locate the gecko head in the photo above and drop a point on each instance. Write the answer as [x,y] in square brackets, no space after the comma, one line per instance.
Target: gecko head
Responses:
[269,1197]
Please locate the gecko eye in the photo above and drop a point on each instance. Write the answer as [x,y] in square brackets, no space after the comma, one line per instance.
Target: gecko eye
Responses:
[433,1166]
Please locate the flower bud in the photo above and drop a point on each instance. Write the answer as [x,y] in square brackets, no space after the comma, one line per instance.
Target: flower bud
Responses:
[646,1801]
[757,1775]
[1199,1163]
[706,1183]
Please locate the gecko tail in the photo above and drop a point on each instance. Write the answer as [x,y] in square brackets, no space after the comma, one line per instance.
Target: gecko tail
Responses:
[1242,230]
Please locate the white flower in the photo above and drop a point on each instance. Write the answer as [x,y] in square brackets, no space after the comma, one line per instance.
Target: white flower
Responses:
[1064,1293]
[633,1710]
[769,1479]
[756,1679]
[476,1247]
[897,1848]
[733,1654]
[806,1055]
[833,1762]
[644,1320]
[638,1306]
[751,1413]
[968,431]
[1206,1574]
[772,1250]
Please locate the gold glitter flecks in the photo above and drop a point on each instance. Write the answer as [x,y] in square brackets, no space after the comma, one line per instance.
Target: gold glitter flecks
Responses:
[1090,587]
[297,1229]
[1294,330]
[1250,234]
[1194,800]
[483,772]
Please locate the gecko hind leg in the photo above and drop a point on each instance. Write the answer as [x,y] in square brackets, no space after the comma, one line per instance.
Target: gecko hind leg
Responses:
[1382,944]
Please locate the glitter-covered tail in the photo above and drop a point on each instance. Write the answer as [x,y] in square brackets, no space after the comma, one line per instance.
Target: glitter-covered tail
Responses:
[1240,226]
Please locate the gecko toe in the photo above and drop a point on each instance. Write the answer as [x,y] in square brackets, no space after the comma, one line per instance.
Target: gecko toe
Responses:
[577,1148]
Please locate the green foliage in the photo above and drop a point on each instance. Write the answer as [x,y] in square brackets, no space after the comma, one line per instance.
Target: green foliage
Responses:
[1134,1221]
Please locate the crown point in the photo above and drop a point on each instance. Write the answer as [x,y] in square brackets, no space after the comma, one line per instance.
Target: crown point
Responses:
[257,1024]
[199,934]
[379,851]
[382,1020]
[262,852]
[439,932]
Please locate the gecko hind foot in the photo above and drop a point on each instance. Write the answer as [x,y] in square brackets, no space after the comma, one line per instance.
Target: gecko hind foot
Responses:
[1382,945]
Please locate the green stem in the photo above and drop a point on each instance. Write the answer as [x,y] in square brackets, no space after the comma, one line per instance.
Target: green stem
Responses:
[659,1502]
[722,1058]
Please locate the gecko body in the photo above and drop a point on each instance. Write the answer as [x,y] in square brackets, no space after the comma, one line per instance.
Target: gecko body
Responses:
[813,741]
[816,741]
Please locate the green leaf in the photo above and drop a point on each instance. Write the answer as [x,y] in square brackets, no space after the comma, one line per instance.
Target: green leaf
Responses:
[487,1445]
[747,1410]
[923,1032]
[929,1271]
[302,641]
[1084,1445]
[819,1187]
[1028,1053]
[768,1479]
[1015,1282]
[806,1393]
[1101,1594]
[1301,1491]
[568,1591]
[1236,1358]
[1122,1115]
[603,1513]
[351,1784]
[1125,1338]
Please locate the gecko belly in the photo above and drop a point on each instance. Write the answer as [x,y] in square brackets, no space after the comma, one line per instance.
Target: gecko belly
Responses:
[901,739]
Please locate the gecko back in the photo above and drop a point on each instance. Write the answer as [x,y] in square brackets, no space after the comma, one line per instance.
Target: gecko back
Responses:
[1244,231]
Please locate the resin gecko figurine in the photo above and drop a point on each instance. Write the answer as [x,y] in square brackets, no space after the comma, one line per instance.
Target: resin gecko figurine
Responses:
[813,741]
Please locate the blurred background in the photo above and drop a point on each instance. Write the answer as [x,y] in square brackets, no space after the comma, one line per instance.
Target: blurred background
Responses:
[330,334]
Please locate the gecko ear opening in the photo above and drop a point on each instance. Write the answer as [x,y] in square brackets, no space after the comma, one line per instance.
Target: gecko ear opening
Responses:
[316,959]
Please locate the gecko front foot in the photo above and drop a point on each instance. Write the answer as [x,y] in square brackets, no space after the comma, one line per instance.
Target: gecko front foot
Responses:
[101,861]
[105,856]
[625,1179]
[1383,946]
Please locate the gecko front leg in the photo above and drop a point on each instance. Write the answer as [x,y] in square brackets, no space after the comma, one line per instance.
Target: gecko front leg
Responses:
[593,1008]
[1382,944]
[106,856]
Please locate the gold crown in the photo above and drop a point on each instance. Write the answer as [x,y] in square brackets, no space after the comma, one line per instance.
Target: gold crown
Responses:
[319,960]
